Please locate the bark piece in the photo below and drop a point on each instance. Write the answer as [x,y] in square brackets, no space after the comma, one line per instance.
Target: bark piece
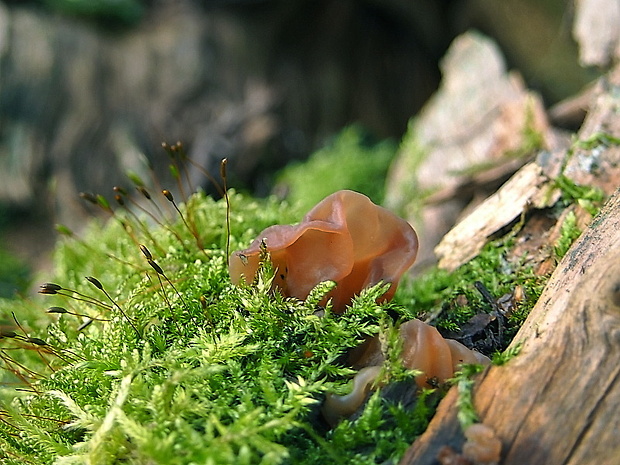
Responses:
[468,237]
[557,401]
[594,162]
[468,139]
[596,31]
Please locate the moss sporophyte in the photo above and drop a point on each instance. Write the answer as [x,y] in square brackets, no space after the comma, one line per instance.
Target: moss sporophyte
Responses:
[141,350]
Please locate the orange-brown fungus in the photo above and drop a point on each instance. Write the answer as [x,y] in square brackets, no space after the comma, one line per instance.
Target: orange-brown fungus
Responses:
[438,358]
[424,349]
[345,238]
[337,407]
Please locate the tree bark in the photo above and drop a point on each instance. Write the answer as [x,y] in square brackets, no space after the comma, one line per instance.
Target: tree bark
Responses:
[593,162]
[557,402]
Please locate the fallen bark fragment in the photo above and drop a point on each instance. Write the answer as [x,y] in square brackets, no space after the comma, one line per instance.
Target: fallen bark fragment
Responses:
[593,161]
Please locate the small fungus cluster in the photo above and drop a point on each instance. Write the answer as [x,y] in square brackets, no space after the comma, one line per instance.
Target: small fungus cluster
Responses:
[345,238]
[348,239]
[424,349]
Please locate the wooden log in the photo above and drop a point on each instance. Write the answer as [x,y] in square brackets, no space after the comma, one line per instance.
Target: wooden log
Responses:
[557,402]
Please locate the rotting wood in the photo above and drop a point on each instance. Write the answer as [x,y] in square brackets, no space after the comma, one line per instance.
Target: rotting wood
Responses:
[596,162]
[557,402]
[469,138]
[468,237]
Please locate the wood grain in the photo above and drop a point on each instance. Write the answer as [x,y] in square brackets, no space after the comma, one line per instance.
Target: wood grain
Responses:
[557,402]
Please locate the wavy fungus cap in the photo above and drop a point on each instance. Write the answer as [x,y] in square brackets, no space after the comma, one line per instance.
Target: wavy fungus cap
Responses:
[345,238]
[423,349]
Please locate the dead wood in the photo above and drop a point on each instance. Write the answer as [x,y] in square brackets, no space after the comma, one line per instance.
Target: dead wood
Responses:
[594,162]
[474,134]
[557,402]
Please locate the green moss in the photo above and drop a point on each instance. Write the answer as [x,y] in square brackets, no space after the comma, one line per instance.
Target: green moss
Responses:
[212,373]
[464,381]
[451,299]
[588,197]
[183,367]
[351,161]
[14,274]
[596,140]
[533,139]
[569,232]
[501,358]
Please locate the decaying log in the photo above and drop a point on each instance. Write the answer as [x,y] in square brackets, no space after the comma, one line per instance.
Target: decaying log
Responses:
[530,187]
[557,402]
[594,163]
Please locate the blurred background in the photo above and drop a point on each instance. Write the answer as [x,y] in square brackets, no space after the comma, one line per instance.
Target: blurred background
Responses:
[89,89]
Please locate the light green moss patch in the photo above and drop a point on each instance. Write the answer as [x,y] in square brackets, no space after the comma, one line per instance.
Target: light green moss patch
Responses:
[183,367]
[352,161]
[194,370]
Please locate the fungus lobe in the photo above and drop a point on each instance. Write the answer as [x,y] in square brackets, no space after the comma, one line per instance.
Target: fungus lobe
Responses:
[423,349]
[345,238]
